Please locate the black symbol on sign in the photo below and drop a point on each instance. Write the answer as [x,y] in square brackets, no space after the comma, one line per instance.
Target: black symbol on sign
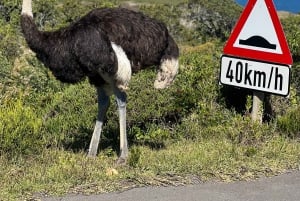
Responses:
[258,41]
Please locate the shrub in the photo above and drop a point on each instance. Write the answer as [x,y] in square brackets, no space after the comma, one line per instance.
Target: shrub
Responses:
[289,123]
[19,129]
[291,27]
[68,115]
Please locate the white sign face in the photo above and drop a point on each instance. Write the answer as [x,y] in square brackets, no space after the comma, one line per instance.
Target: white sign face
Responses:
[258,33]
[255,75]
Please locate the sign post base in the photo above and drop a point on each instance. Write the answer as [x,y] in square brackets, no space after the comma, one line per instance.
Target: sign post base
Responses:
[257,107]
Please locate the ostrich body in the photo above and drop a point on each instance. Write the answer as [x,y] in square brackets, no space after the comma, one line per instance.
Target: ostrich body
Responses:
[107,45]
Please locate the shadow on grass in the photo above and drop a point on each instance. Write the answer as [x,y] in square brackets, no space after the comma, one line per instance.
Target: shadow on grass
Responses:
[81,140]
[109,139]
[236,99]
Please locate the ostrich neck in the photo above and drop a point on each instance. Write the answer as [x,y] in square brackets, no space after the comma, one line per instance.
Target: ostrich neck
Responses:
[27,8]
[31,33]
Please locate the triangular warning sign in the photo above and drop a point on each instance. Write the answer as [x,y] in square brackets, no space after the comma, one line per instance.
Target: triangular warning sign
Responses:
[259,35]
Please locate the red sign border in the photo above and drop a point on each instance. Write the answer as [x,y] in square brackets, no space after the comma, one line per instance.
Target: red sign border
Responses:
[284,58]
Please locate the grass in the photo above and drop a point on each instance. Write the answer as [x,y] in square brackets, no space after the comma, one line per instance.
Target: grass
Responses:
[56,172]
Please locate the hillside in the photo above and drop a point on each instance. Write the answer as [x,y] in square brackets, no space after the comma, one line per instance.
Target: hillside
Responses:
[187,133]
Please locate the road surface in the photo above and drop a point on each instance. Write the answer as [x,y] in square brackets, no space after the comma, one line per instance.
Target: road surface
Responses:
[280,188]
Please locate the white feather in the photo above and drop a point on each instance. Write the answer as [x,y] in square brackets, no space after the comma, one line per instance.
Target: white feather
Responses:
[123,75]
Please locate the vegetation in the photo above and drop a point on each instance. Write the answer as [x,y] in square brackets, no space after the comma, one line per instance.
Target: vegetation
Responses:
[181,135]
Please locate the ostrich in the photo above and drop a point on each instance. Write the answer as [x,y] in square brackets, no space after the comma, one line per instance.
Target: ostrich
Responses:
[106,45]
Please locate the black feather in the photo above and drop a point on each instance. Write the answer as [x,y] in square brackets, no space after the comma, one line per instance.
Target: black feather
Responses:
[84,48]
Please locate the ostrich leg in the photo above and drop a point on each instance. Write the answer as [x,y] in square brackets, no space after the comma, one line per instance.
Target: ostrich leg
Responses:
[121,101]
[103,103]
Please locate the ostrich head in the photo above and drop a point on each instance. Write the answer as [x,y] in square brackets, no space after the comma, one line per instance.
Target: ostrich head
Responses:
[166,75]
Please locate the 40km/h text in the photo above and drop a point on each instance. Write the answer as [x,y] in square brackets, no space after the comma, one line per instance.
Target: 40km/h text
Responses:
[256,75]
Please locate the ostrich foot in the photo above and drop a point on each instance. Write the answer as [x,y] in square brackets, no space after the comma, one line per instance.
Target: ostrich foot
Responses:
[91,155]
[121,161]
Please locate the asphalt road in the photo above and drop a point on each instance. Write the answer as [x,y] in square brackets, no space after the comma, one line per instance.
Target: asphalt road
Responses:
[280,188]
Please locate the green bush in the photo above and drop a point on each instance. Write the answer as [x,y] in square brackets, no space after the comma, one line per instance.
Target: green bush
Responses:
[68,116]
[289,123]
[51,14]
[4,72]
[9,22]
[198,78]
[291,27]
[19,129]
